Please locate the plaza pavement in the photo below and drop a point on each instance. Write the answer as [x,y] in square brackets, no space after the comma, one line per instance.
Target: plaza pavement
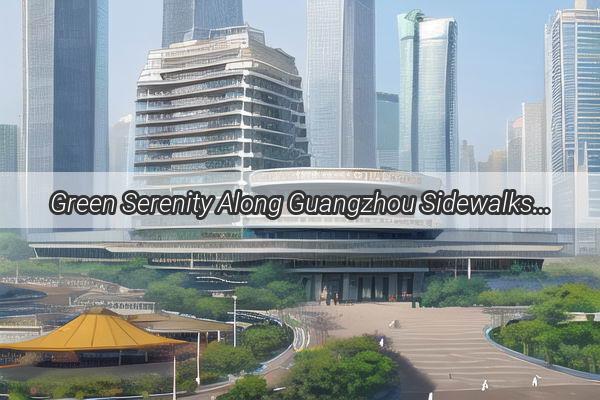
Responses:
[444,350]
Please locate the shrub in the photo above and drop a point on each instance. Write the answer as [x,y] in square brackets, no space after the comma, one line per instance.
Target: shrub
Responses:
[225,359]
[264,340]
[451,292]
[250,387]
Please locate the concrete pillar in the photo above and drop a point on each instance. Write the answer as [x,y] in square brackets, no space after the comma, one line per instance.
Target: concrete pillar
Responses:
[418,279]
[469,268]
[318,285]
[218,336]
[345,286]
[393,284]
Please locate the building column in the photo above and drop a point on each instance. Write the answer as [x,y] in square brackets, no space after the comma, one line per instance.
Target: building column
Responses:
[393,284]
[469,268]
[318,285]
[345,287]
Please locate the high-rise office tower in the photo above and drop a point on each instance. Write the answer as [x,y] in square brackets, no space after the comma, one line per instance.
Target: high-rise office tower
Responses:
[388,140]
[341,82]
[428,100]
[496,162]
[225,104]
[9,148]
[514,133]
[118,144]
[533,141]
[467,158]
[573,96]
[65,85]
[193,19]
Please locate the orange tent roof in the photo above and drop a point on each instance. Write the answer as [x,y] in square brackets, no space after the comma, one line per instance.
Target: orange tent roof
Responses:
[97,329]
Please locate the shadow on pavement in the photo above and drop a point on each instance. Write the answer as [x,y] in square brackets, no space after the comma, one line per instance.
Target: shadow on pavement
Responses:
[413,384]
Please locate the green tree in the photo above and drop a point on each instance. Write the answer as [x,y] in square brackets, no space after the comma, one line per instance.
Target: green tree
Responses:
[549,342]
[226,359]
[451,292]
[213,307]
[592,354]
[264,340]
[523,333]
[12,247]
[550,311]
[250,387]
[266,274]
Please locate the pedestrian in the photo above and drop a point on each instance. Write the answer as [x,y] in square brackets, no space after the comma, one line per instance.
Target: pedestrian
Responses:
[484,386]
[336,299]
[535,382]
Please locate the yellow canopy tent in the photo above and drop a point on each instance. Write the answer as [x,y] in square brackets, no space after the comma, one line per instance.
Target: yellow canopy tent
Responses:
[96,329]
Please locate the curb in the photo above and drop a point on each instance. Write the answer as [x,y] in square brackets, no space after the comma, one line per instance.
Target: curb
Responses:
[579,374]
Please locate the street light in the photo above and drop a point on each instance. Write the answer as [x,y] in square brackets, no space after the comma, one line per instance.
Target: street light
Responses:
[234,321]
[198,360]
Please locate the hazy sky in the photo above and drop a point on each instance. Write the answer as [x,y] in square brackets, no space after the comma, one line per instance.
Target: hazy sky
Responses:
[500,53]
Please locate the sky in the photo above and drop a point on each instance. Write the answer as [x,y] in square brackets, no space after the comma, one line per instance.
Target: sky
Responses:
[500,53]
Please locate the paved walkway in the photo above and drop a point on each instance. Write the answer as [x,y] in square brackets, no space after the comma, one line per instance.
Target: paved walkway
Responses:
[444,350]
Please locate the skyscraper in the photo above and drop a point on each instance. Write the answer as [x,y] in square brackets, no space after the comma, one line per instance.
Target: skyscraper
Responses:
[9,148]
[428,100]
[572,106]
[496,162]
[467,158]
[514,133]
[341,82]
[193,19]
[388,139]
[65,72]
[118,144]
[533,138]
[241,113]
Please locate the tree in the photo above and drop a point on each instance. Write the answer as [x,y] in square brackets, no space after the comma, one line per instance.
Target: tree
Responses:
[226,359]
[13,248]
[523,333]
[266,274]
[549,341]
[550,311]
[461,292]
[263,340]
[250,387]
[592,354]
[212,307]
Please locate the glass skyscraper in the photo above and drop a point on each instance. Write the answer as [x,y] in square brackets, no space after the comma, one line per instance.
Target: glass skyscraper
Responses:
[65,99]
[341,82]
[193,19]
[388,143]
[428,99]
[9,148]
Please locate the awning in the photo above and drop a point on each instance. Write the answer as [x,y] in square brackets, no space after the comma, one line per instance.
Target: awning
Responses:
[96,329]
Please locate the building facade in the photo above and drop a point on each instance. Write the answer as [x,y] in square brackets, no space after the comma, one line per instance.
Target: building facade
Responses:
[119,144]
[389,155]
[341,101]
[514,148]
[65,85]
[428,100]
[379,257]
[533,145]
[193,19]
[573,114]
[467,158]
[210,110]
[9,148]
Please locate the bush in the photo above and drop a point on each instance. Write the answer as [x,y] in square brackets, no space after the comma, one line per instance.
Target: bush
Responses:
[250,387]
[12,247]
[511,297]
[225,359]
[353,369]
[453,292]
[264,340]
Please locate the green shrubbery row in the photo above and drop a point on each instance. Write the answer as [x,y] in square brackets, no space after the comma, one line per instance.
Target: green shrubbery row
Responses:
[352,368]
[462,292]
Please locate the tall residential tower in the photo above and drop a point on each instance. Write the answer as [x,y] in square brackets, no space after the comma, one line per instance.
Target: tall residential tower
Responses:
[65,85]
[341,82]
[428,100]
[193,19]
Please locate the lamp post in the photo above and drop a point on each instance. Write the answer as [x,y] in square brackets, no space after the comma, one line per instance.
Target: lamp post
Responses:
[234,321]
[174,377]
[198,360]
